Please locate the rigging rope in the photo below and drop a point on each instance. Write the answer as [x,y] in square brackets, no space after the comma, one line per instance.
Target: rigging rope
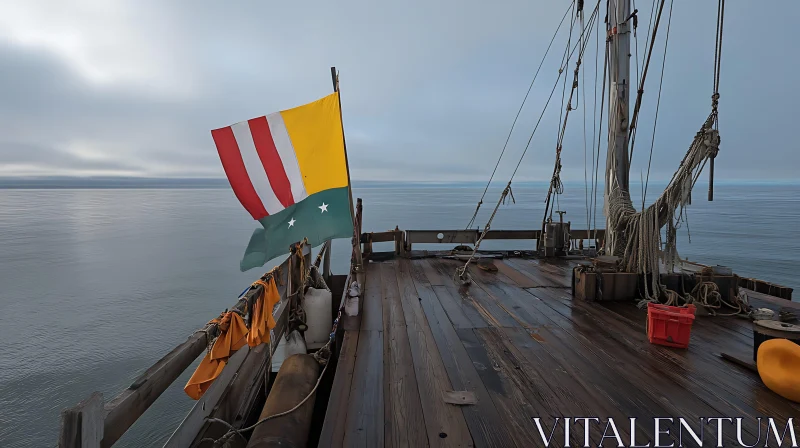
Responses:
[596,155]
[658,104]
[635,237]
[461,272]
[556,186]
[585,148]
[514,123]
[639,240]
[640,92]
[715,96]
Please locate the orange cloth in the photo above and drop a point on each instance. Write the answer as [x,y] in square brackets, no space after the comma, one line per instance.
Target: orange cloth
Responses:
[778,365]
[261,321]
[233,333]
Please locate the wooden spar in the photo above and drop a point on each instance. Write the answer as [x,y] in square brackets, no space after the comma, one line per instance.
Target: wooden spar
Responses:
[296,380]
[356,247]
[326,263]
[121,413]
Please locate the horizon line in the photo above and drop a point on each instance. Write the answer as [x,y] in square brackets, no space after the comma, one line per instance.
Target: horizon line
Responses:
[66,182]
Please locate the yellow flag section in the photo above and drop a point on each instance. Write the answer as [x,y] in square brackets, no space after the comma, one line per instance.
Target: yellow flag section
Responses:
[315,130]
[233,334]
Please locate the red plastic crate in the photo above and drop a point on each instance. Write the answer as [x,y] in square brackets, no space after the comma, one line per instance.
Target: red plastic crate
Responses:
[669,325]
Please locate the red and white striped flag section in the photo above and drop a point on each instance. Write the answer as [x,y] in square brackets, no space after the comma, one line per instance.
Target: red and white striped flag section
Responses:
[288,170]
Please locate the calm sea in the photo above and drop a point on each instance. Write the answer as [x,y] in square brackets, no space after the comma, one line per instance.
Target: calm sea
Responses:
[97,284]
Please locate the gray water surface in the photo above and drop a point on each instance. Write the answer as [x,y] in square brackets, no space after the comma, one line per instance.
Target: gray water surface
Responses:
[96,285]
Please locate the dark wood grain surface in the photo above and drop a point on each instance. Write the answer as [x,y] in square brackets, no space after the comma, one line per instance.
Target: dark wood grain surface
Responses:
[518,341]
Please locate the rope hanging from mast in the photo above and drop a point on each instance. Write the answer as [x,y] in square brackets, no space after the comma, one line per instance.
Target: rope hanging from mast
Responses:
[636,236]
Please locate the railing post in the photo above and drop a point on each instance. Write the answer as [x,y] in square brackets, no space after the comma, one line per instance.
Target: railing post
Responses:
[358,260]
[82,426]
[398,241]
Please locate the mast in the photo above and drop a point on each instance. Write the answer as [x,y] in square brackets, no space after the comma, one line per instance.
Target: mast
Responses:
[356,257]
[617,163]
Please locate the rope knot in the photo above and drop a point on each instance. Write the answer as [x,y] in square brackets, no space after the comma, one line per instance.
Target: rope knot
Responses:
[508,192]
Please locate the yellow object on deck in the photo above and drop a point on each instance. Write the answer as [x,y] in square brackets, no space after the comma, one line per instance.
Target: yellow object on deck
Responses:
[232,336]
[262,321]
[778,365]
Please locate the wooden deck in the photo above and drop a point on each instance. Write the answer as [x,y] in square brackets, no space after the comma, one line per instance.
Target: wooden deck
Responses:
[526,349]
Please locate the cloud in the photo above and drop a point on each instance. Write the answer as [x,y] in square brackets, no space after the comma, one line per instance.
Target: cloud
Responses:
[429,89]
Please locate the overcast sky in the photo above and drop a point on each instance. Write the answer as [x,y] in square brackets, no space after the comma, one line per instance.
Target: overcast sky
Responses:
[429,88]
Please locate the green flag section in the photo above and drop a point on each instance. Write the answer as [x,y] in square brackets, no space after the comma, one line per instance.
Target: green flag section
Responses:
[319,217]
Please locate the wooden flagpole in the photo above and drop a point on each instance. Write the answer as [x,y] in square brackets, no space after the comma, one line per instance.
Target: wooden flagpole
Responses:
[356,258]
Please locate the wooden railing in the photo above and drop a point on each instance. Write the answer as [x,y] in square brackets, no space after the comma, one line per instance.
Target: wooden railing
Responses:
[93,423]
[404,239]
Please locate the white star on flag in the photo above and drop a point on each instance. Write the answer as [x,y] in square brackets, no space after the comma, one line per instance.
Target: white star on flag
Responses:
[291,222]
[323,207]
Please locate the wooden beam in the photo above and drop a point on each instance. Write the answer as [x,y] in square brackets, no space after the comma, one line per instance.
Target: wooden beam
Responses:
[447,236]
[600,234]
[770,300]
[512,235]
[764,287]
[471,236]
[378,237]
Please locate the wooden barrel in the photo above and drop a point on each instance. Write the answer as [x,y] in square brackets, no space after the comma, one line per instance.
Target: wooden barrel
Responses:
[764,330]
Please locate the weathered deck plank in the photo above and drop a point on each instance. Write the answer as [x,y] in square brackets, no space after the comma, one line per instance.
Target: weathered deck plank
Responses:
[483,420]
[445,423]
[673,384]
[736,386]
[557,274]
[455,311]
[488,308]
[365,415]
[334,427]
[519,278]
[457,300]
[578,376]
[372,313]
[539,277]
[509,401]
[526,353]
[403,419]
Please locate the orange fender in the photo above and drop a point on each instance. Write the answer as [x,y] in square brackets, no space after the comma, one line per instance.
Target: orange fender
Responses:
[779,367]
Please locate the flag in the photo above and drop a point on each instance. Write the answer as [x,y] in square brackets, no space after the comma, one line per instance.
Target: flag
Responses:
[288,170]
